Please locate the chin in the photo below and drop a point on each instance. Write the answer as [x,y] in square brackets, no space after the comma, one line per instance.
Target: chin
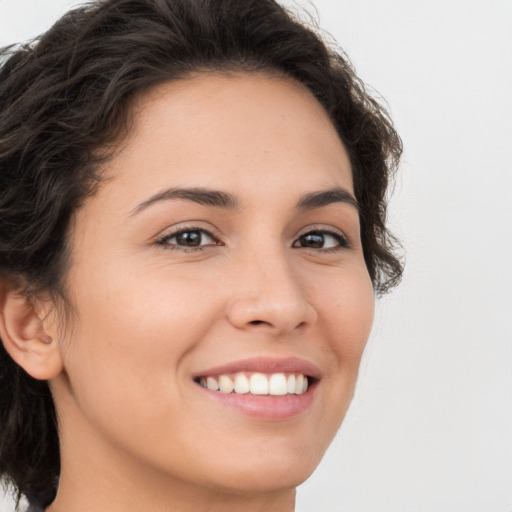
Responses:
[269,471]
[265,480]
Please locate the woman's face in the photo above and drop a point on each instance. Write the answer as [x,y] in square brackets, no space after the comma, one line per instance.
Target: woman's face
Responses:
[223,247]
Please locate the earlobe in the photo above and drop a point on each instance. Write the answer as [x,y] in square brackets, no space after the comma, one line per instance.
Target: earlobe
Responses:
[23,334]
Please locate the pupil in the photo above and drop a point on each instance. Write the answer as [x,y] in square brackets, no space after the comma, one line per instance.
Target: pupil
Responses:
[189,238]
[315,240]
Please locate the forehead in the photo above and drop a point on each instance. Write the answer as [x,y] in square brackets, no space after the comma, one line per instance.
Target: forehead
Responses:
[237,130]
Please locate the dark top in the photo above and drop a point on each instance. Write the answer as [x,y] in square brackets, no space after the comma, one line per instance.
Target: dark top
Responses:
[38,502]
[35,508]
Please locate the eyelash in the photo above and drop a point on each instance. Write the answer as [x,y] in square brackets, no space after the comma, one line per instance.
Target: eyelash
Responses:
[343,242]
[164,240]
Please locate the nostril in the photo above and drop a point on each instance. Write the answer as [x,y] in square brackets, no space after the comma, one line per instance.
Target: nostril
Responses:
[257,322]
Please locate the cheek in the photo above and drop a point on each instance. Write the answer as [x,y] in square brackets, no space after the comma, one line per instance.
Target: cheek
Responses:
[132,335]
[347,309]
[346,303]
[128,356]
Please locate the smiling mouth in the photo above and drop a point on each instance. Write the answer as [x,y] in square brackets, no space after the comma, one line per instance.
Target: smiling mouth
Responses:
[243,383]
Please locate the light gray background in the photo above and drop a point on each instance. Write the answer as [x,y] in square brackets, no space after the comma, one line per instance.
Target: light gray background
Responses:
[430,429]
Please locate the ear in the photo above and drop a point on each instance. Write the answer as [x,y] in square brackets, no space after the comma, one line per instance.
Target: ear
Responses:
[22,330]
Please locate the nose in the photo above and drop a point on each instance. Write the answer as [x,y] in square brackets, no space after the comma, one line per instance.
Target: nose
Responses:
[268,295]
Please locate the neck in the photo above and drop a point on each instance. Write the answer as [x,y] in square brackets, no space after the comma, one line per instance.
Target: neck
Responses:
[85,497]
[96,475]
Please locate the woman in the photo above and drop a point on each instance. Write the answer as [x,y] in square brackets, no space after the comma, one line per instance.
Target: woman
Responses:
[192,232]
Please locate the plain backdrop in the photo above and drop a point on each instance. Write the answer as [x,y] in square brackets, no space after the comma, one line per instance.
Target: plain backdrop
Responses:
[430,428]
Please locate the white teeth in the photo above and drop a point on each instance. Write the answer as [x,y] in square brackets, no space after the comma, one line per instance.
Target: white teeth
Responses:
[225,384]
[290,384]
[242,384]
[259,384]
[212,384]
[299,384]
[277,384]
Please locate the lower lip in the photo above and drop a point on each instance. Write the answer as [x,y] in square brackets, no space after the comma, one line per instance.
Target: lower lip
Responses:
[266,407]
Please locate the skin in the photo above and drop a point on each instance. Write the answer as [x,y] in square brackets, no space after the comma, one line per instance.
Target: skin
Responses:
[147,315]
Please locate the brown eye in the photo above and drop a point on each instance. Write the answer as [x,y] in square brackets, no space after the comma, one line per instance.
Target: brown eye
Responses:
[321,240]
[188,238]
[312,240]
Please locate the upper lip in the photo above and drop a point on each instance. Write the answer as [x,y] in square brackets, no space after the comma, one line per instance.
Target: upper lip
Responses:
[264,365]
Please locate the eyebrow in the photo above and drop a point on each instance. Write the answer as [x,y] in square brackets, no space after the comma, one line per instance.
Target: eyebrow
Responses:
[326,197]
[202,196]
[219,199]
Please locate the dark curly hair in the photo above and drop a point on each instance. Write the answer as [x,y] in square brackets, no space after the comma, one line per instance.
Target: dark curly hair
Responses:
[65,100]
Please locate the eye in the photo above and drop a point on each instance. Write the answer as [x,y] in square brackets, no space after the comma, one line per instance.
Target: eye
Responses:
[188,238]
[321,240]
